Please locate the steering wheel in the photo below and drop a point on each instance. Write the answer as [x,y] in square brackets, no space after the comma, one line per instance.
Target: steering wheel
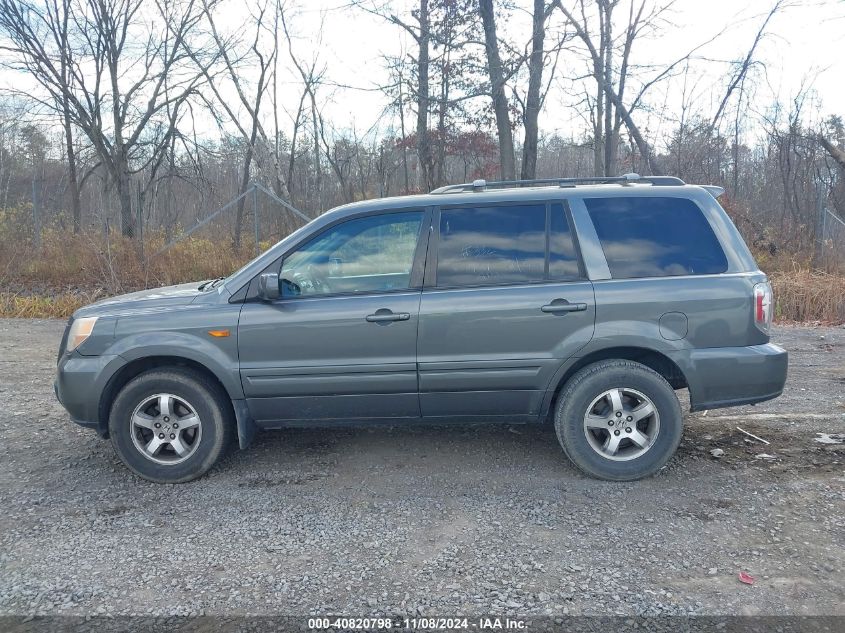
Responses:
[312,280]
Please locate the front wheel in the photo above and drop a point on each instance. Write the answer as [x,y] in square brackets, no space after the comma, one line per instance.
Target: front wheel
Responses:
[170,425]
[618,420]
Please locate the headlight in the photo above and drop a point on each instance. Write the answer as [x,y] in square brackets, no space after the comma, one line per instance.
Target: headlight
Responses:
[79,331]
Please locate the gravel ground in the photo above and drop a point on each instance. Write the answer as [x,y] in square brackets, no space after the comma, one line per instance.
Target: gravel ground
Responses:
[435,521]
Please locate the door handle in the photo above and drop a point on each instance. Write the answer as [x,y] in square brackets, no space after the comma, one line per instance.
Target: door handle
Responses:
[562,305]
[384,316]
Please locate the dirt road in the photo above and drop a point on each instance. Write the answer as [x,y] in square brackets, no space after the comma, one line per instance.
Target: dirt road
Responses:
[427,521]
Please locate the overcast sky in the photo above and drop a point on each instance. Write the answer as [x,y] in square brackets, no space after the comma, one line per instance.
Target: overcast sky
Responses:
[804,45]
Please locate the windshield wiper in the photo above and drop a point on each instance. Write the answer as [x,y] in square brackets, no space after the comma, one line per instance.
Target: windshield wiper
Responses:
[210,283]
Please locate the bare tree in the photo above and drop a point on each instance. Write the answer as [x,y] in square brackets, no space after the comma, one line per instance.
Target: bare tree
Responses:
[534,96]
[603,50]
[600,49]
[507,163]
[60,18]
[422,36]
[419,27]
[114,78]
[236,57]
[743,66]
[609,93]
[311,74]
[54,18]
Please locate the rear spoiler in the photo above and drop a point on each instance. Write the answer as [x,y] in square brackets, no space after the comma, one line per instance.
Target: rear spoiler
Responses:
[714,190]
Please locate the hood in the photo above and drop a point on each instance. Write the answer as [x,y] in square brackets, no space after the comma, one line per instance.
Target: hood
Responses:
[152,299]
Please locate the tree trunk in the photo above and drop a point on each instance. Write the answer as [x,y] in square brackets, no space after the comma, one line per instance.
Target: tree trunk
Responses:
[250,150]
[75,203]
[239,215]
[532,100]
[423,138]
[642,144]
[497,90]
[598,125]
[402,129]
[317,165]
[124,194]
[73,182]
[440,165]
[835,153]
[607,68]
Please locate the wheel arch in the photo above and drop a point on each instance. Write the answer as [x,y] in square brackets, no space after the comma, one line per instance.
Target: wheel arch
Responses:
[136,368]
[651,358]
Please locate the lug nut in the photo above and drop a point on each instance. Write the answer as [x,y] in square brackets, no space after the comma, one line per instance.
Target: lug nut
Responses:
[157,425]
[628,430]
[610,423]
[161,436]
[175,426]
[618,414]
[172,436]
[616,432]
[167,418]
[630,418]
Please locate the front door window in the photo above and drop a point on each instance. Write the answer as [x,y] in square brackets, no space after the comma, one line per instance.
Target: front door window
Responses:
[366,255]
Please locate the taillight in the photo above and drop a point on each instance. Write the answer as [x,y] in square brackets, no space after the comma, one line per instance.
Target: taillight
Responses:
[763,306]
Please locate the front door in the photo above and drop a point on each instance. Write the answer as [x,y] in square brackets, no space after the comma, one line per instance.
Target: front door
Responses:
[340,342]
[505,304]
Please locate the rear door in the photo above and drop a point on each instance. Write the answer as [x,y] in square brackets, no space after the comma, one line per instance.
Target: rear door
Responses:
[340,343]
[505,302]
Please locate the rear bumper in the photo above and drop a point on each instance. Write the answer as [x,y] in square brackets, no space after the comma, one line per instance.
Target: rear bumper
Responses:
[732,376]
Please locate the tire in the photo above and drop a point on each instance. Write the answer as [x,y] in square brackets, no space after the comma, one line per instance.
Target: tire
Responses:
[152,405]
[624,450]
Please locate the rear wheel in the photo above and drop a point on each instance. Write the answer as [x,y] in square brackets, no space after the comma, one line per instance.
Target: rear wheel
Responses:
[618,420]
[170,425]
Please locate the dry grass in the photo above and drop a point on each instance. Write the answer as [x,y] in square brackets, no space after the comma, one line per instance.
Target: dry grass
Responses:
[39,307]
[72,271]
[115,265]
[69,271]
[803,295]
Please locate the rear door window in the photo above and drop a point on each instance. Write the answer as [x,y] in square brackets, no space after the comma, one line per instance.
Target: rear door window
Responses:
[655,237]
[505,244]
[492,245]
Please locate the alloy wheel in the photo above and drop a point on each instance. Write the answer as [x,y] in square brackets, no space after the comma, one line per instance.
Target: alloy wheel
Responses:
[621,424]
[166,429]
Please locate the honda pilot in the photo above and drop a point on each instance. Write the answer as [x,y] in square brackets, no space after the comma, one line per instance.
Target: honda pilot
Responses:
[582,303]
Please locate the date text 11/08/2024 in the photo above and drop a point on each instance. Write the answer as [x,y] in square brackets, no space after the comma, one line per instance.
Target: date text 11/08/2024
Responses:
[420,623]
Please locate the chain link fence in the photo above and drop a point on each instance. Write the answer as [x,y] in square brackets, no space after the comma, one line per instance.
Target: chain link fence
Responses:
[257,217]
[832,242]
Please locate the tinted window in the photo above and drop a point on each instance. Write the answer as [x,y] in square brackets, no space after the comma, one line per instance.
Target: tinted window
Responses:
[492,245]
[563,261]
[369,254]
[655,237]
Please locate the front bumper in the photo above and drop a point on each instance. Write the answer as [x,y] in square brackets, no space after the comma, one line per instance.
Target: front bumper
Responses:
[80,382]
[731,376]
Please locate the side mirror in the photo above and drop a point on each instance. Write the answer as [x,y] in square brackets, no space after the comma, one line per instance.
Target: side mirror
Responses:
[268,287]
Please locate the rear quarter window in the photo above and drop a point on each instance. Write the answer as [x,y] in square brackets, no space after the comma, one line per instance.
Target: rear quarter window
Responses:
[655,237]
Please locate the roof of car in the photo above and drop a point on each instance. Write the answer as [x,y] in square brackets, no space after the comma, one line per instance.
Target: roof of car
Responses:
[502,191]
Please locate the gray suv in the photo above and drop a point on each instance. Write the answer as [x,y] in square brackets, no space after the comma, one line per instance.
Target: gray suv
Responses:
[582,302]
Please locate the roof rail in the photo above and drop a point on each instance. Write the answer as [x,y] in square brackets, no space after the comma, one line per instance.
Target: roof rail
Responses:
[627,179]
